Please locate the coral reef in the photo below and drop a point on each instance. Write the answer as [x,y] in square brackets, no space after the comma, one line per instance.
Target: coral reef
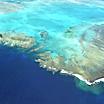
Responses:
[16,40]
[79,55]
[84,56]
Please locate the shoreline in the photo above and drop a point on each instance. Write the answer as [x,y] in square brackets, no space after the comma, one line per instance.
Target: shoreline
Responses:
[83,79]
[74,75]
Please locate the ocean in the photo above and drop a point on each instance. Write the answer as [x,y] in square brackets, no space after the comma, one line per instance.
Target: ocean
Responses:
[22,80]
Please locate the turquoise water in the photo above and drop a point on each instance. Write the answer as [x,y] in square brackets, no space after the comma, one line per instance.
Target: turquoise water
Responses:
[51,16]
[54,17]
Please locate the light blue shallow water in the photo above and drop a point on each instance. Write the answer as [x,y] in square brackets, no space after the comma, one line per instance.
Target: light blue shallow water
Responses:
[53,17]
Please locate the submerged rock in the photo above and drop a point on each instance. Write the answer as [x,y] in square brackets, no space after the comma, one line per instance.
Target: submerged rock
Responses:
[44,34]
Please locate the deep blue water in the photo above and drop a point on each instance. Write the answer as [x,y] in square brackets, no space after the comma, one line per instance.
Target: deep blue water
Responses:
[22,81]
